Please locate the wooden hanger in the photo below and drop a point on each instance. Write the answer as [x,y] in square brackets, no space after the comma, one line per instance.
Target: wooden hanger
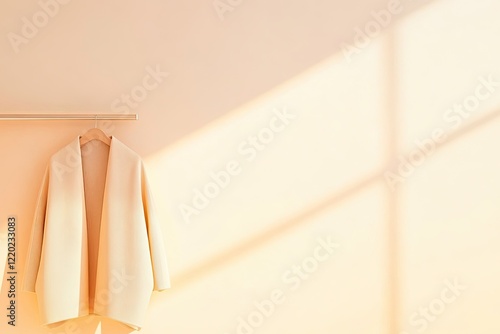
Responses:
[95,134]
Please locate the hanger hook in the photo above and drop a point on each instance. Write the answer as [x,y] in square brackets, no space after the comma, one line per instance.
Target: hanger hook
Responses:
[95,124]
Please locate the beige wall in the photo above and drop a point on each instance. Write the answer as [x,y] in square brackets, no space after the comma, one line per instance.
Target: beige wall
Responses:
[403,235]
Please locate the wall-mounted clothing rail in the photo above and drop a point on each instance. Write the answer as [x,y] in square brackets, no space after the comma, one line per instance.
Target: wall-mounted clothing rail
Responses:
[50,117]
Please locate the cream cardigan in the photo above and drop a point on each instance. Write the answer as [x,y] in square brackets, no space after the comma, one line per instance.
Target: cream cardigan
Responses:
[96,244]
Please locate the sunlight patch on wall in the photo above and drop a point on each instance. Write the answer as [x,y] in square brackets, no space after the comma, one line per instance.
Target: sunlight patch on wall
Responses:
[274,157]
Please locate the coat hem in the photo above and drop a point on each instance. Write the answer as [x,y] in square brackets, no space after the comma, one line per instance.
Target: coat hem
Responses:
[62,322]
